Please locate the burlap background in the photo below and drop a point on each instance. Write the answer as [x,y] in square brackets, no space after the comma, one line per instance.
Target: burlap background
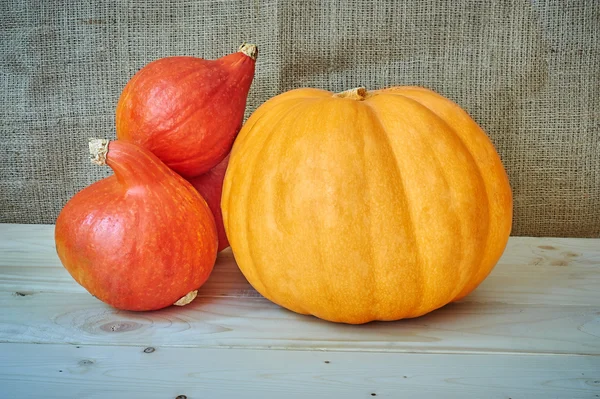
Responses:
[527,71]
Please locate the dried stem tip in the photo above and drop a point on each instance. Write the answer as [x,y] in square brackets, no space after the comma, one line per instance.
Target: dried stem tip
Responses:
[359,93]
[189,297]
[98,151]
[249,49]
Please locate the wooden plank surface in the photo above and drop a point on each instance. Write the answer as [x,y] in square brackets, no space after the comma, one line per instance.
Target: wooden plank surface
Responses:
[532,329]
[469,327]
[68,371]
[544,271]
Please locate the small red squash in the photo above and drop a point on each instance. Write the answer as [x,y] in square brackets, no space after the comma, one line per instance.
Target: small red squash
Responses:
[141,239]
[210,186]
[187,110]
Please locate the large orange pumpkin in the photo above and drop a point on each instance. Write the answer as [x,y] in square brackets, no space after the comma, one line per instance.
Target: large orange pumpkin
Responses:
[364,206]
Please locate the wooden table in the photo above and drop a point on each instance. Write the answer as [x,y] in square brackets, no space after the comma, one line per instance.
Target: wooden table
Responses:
[531,330]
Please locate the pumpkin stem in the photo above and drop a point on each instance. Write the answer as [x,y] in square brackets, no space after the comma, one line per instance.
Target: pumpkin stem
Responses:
[249,49]
[98,151]
[358,93]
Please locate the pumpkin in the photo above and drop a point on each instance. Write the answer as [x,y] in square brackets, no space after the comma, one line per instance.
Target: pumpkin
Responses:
[187,110]
[210,186]
[141,239]
[364,206]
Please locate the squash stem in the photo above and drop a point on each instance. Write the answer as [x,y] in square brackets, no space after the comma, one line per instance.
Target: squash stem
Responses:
[358,93]
[249,49]
[189,297]
[98,151]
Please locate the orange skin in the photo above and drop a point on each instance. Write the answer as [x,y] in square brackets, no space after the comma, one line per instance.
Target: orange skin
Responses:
[364,206]
[140,239]
[210,186]
[186,110]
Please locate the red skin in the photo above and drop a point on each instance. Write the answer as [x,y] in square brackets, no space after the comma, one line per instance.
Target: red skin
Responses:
[210,186]
[186,110]
[140,239]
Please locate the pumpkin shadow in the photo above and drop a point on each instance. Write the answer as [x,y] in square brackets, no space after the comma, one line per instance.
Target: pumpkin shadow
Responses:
[226,284]
[227,295]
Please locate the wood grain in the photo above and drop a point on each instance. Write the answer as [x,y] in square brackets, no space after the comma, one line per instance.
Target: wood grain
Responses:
[467,327]
[68,371]
[560,271]
[531,330]
[527,305]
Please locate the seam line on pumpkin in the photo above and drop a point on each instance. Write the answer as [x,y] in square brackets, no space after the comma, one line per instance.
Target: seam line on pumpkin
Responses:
[241,138]
[409,205]
[257,157]
[480,256]
[441,170]
[367,195]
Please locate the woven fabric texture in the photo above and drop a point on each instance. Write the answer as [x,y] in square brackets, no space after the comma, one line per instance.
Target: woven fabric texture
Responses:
[528,71]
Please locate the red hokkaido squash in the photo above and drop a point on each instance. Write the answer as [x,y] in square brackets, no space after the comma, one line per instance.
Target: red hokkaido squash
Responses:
[210,186]
[365,206]
[187,110]
[141,239]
